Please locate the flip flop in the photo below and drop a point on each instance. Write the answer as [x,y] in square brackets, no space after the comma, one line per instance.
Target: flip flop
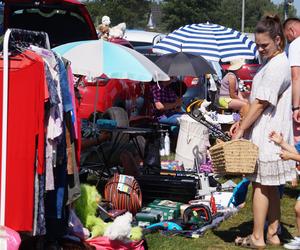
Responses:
[247,242]
[269,242]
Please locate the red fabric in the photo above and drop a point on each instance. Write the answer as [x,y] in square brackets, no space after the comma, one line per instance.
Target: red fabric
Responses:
[25,131]
[78,141]
[103,242]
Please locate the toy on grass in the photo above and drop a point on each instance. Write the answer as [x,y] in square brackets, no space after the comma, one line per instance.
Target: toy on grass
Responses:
[121,229]
[86,208]
[165,225]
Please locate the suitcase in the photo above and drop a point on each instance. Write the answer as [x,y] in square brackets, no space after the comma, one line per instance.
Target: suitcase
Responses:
[166,187]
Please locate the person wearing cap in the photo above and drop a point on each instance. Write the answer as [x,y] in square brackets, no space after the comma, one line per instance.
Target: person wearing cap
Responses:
[228,93]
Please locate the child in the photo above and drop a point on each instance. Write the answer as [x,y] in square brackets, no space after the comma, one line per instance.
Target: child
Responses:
[289,152]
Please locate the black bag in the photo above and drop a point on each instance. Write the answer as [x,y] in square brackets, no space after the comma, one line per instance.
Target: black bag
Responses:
[167,187]
[152,156]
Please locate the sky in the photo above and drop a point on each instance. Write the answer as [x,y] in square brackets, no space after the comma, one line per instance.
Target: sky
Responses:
[296,4]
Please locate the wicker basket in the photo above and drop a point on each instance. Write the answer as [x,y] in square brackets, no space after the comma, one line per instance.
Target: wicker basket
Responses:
[234,157]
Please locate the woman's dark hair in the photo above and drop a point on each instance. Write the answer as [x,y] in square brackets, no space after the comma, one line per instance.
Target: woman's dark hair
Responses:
[272,25]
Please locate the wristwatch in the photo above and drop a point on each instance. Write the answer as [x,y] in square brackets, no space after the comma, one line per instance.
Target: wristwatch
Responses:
[295,108]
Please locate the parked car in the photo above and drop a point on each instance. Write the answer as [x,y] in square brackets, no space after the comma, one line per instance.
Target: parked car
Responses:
[143,41]
[132,96]
[69,21]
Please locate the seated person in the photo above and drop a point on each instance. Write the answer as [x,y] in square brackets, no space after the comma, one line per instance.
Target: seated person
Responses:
[229,96]
[167,105]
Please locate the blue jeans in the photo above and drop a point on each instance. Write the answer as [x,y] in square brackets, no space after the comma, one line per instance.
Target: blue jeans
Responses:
[171,120]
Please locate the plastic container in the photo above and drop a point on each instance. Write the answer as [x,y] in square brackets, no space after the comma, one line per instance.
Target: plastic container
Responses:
[167,144]
[162,145]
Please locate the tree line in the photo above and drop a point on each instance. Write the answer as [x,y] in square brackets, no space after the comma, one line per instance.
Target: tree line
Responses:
[176,13]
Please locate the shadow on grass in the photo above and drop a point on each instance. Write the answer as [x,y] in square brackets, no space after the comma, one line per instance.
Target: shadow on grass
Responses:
[291,192]
[244,229]
[230,234]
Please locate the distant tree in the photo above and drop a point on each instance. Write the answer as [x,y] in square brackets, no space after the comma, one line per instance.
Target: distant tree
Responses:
[177,13]
[134,13]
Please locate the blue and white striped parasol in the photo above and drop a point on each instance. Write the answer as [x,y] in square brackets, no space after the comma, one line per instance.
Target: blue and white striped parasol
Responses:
[212,41]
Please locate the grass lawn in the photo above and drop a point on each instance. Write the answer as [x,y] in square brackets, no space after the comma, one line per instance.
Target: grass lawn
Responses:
[223,236]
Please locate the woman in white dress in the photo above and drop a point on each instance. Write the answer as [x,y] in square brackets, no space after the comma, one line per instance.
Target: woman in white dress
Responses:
[270,109]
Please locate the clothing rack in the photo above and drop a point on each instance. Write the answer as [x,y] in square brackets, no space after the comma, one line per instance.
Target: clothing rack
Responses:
[14,39]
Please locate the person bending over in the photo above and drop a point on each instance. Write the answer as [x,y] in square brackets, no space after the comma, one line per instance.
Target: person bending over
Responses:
[123,155]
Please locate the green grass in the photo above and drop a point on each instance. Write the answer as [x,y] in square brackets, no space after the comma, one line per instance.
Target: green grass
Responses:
[238,225]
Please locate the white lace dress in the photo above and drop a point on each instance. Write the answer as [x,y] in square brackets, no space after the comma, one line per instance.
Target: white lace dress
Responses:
[273,84]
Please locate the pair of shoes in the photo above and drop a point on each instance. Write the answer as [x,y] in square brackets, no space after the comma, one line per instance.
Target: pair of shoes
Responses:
[293,244]
[247,242]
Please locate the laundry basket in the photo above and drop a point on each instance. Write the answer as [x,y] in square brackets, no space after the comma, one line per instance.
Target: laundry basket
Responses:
[234,157]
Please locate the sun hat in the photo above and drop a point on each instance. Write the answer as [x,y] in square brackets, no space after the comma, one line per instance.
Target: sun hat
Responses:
[236,64]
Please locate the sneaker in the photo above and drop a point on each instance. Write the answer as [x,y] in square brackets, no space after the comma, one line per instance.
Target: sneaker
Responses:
[293,244]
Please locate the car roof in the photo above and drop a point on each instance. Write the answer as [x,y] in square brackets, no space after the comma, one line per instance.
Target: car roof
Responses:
[142,36]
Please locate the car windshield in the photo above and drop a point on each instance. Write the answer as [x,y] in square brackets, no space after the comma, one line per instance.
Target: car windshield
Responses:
[62,26]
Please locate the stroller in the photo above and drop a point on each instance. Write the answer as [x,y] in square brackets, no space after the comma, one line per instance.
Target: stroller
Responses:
[193,110]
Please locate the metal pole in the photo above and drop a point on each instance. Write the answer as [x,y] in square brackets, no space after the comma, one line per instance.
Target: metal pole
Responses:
[4,126]
[286,9]
[243,15]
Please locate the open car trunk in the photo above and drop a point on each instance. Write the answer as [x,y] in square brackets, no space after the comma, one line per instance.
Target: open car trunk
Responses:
[64,20]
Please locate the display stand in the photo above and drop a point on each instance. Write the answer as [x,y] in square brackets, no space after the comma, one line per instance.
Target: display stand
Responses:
[19,40]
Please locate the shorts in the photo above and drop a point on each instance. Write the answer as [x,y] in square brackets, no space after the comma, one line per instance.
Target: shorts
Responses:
[224,102]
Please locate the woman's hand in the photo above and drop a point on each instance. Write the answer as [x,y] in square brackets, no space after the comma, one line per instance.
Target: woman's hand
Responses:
[296,116]
[234,128]
[238,134]
[276,137]
[285,155]
[235,131]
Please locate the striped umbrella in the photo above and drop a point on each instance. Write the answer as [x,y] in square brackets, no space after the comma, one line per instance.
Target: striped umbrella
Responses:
[212,41]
